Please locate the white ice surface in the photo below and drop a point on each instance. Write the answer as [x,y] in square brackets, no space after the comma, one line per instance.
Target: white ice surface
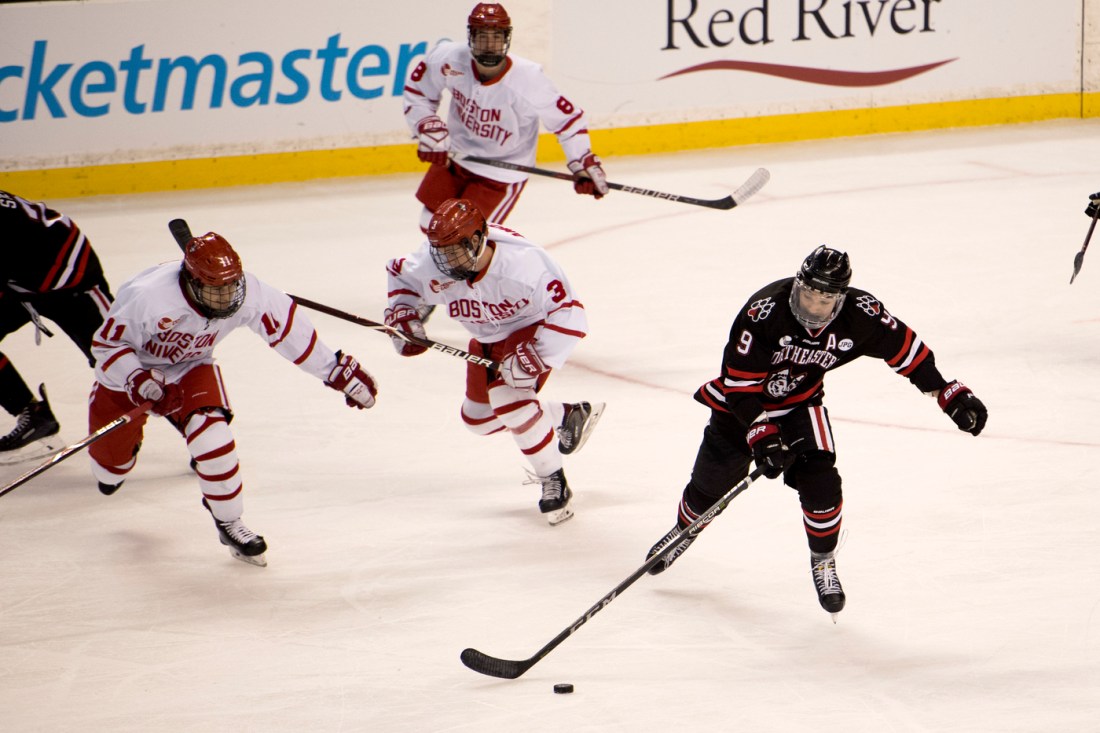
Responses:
[397,538]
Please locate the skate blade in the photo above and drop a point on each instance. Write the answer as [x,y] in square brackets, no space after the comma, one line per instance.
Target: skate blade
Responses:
[257,560]
[558,516]
[41,448]
[589,425]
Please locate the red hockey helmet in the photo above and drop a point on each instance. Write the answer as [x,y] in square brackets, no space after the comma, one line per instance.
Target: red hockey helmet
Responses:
[213,276]
[489,32]
[457,235]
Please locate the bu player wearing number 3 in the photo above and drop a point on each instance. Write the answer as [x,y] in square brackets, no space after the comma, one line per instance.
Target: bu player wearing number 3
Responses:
[521,311]
[157,346]
[497,103]
[767,405]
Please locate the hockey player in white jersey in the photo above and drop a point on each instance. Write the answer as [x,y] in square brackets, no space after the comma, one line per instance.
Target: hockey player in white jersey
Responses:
[497,102]
[521,311]
[157,345]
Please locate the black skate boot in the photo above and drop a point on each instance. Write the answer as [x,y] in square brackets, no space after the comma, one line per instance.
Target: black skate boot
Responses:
[34,423]
[577,425]
[243,543]
[683,543]
[829,592]
[108,489]
[555,497]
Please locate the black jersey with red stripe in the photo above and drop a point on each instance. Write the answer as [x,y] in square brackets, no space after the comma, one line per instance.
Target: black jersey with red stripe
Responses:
[773,363]
[42,250]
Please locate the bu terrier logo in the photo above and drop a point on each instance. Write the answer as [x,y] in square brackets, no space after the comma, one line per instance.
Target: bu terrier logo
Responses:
[783,383]
[166,323]
[761,309]
[448,70]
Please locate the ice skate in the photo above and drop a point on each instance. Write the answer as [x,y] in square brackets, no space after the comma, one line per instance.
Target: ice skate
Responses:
[829,592]
[577,425]
[555,497]
[35,434]
[683,543]
[243,543]
[108,489]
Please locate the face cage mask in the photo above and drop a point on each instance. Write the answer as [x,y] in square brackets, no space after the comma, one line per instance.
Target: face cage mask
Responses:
[810,320]
[462,266]
[217,301]
[486,57]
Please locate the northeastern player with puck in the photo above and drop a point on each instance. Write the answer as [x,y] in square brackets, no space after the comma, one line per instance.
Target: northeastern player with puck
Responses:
[767,405]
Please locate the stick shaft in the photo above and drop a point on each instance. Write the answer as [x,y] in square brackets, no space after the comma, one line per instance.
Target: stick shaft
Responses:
[510,669]
[427,343]
[64,453]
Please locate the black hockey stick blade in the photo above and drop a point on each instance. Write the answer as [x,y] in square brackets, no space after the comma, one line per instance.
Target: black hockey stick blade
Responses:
[180,231]
[510,669]
[1079,258]
[752,185]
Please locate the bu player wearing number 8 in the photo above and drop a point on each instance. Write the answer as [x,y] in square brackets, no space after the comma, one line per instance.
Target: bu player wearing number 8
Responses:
[767,405]
[498,101]
[521,311]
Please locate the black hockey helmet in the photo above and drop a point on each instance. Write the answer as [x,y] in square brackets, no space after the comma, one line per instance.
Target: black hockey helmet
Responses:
[820,287]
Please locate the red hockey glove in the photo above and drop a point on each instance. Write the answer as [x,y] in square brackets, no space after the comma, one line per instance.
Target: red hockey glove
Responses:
[351,379]
[963,407]
[1094,204]
[768,449]
[149,385]
[522,368]
[433,140]
[407,321]
[588,176]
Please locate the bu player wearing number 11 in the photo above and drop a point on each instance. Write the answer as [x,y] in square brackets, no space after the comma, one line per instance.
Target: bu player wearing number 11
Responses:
[521,311]
[157,346]
[767,405]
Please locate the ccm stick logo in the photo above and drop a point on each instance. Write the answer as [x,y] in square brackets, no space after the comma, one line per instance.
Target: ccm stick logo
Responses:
[465,355]
[595,609]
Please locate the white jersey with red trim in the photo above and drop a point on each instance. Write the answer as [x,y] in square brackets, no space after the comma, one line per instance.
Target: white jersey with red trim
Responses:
[521,286]
[498,119]
[153,325]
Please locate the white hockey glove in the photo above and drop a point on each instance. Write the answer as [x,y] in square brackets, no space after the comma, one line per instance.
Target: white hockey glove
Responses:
[148,385]
[407,321]
[348,377]
[522,368]
[434,141]
[588,176]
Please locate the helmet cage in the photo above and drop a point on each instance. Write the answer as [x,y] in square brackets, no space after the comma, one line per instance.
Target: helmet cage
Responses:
[458,259]
[489,33]
[212,276]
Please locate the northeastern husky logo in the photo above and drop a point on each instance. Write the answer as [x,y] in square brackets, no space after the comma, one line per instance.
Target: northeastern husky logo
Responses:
[761,309]
[783,383]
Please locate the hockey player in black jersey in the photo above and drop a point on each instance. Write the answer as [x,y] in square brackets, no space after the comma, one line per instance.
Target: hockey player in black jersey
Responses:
[49,270]
[767,404]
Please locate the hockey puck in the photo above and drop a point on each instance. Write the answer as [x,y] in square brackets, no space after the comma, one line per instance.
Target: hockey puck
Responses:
[563,688]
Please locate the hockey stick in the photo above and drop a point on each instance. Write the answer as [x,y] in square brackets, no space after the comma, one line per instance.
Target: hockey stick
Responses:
[511,669]
[389,330]
[1079,259]
[64,453]
[182,233]
[754,183]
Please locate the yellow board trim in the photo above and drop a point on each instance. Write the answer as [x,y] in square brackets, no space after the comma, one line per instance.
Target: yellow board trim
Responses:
[172,175]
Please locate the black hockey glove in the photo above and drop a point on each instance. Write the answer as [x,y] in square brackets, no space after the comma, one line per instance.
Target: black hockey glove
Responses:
[768,449]
[1094,204]
[963,407]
